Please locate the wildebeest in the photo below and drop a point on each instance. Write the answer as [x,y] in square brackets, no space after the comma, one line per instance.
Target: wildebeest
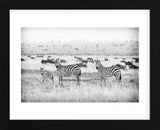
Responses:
[84,61]
[136,60]
[49,56]
[128,63]
[51,61]
[81,65]
[123,67]
[133,67]
[123,61]
[63,61]
[78,58]
[81,59]
[32,57]
[90,60]
[106,59]
[22,59]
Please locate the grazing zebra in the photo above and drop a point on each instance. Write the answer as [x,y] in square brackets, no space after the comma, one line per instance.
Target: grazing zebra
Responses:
[46,75]
[68,70]
[108,72]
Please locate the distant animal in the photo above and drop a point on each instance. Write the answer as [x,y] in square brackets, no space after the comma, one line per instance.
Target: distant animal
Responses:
[136,60]
[68,70]
[90,60]
[32,57]
[43,61]
[49,56]
[46,75]
[106,59]
[81,65]
[84,61]
[108,72]
[133,67]
[81,59]
[22,59]
[129,63]
[123,61]
[75,57]
[48,61]
[123,67]
[63,61]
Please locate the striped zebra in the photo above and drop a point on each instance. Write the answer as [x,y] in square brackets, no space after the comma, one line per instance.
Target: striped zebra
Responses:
[108,72]
[68,70]
[46,75]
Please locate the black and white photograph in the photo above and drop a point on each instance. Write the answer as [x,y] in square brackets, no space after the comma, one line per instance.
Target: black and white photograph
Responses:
[79,64]
[83,64]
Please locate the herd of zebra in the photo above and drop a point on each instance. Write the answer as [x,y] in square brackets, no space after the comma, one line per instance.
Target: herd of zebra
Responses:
[75,69]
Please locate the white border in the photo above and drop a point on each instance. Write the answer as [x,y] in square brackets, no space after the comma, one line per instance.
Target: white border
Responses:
[79,18]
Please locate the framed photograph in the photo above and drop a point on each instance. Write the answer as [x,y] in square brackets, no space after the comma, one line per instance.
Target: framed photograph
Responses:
[90,63]
[85,65]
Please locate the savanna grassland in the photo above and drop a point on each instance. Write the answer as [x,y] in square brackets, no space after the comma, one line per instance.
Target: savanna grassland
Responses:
[111,46]
[33,90]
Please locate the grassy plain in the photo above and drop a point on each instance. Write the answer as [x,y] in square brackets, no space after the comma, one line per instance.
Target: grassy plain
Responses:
[33,90]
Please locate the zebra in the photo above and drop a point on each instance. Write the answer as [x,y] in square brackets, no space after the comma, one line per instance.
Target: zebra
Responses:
[46,75]
[108,72]
[68,70]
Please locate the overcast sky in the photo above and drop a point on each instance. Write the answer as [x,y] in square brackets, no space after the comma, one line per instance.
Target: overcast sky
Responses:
[48,34]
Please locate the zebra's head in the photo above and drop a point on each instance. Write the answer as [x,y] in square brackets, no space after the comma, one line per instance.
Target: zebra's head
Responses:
[98,64]
[57,63]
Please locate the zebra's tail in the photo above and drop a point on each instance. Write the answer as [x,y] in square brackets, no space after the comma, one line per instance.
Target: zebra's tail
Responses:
[120,78]
[52,77]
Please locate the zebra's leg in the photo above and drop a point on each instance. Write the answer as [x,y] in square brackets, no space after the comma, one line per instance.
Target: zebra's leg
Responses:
[78,80]
[101,81]
[43,79]
[52,80]
[119,80]
[61,81]
[118,77]
[104,81]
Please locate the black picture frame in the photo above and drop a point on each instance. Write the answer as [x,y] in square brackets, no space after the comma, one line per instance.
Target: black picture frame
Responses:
[152,124]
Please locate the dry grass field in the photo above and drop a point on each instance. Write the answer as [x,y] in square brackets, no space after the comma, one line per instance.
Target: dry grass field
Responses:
[33,90]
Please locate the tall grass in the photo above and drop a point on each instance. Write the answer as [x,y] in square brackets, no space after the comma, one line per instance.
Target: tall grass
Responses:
[33,90]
